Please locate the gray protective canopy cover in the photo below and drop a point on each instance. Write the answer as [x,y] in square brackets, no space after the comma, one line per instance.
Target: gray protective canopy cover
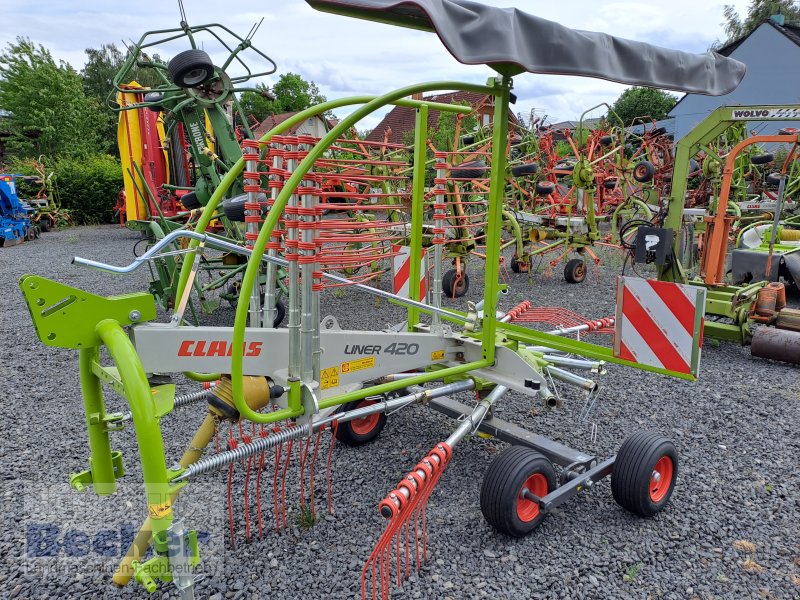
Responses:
[512,41]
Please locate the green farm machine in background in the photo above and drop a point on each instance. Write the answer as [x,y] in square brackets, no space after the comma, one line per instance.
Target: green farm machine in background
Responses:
[731,303]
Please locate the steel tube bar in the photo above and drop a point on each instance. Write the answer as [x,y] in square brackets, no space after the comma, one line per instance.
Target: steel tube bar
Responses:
[220,244]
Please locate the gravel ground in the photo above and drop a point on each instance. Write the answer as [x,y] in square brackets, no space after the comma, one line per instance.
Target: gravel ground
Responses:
[730,531]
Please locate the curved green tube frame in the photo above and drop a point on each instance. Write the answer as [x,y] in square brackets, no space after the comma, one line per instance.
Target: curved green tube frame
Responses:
[371,104]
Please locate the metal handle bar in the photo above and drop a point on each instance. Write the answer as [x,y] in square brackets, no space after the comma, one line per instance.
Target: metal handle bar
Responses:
[220,244]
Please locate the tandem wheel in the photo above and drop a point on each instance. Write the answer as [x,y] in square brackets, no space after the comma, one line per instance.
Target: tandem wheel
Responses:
[644,473]
[360,431]
[505,503]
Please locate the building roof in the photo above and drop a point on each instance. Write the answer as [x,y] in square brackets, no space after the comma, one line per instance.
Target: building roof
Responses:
[790,31]
[572,125]
[274,120]
[401,119]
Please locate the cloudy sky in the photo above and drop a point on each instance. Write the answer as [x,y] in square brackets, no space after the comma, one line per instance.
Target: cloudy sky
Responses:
[347,56]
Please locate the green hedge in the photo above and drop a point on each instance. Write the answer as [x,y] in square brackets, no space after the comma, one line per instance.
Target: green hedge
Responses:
[89,187]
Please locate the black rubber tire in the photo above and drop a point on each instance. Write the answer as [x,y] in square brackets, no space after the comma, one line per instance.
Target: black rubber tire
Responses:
[233,290]
[467,140]
[190,201]
[44,224]
[606,140]
[30,234]
[153,100]
[633,471]
[178,166]
[350,434]
[611,183]
[773,180]
[503,484]
[471,169]
[658,131]
[234,207]
[762,159]
[575,270]
[545,188]
[789,131]
[279,315]
[449,287]
[190,68]
[522,170]
[644,171]
[518,266]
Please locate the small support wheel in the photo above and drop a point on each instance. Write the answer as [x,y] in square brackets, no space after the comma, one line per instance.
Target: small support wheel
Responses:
[762,159]
[190,68]
[610,183]
[471,169]
[644,171]
[545,188]
[44,224]
[526,169]
[360,431]
[190,201]
[454,286]
[233,208]
[504,503]
[280,314]
[30,234]
[519,266]
[575,270]
[644,473]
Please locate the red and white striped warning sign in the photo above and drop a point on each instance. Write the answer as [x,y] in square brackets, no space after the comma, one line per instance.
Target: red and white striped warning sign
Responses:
[401,269]
[660,324]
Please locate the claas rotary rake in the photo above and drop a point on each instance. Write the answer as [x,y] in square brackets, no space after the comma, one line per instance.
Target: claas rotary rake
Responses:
[280,389]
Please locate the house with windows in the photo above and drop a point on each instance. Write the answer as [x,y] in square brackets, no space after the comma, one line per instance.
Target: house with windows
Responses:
[315,126]
[398,124]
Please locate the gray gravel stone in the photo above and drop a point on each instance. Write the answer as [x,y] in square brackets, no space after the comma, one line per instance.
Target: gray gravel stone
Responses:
[737,430]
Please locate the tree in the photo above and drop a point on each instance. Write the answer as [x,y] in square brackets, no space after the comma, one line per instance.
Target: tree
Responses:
[292,93]
[648,103]
[759,11]
[49,112]
[258,104]
[102,65]
[98,74]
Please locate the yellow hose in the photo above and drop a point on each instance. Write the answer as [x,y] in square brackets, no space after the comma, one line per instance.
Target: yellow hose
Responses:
[790,235]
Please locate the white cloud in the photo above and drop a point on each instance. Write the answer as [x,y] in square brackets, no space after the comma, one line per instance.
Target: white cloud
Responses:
[346,56]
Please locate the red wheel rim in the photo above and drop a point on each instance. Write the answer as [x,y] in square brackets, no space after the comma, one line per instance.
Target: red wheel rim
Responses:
[661,479]
[365,425]
[528,510]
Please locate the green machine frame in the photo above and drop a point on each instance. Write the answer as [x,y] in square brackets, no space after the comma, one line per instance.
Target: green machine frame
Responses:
[728,303]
